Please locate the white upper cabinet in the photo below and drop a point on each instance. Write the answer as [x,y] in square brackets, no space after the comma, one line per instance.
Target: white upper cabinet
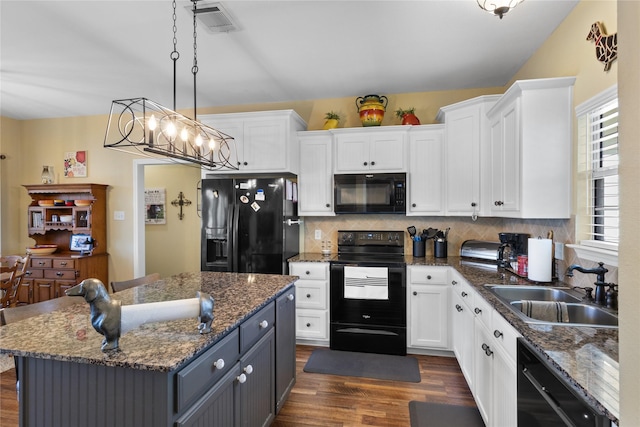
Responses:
[465,130]
[530,150]
[375,149]
[426,170]
[265,141]
[315,180]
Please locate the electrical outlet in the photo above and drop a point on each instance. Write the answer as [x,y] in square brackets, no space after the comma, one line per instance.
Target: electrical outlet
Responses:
[118,215]
[559,251]
[318,235]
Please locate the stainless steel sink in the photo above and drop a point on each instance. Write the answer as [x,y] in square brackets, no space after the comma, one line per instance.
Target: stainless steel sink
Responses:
[533,293]
[580,314]
[583,314]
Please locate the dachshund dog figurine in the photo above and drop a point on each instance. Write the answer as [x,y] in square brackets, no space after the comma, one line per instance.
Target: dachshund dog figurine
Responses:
[606,45]
[105,312]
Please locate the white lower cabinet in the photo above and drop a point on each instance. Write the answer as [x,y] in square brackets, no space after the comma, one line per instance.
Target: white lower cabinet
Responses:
[428,302]
[485,345]
[312,300]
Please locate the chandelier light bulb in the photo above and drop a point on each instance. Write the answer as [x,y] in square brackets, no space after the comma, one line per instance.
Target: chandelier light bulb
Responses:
[184,135]
[153,123]
[212,144]
[171,130]
[199,140]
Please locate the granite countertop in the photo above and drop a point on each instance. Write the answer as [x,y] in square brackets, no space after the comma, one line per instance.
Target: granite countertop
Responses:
[67,334]
[587,357]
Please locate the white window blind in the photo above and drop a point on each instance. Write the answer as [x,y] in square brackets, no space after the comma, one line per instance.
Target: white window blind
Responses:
[598,206]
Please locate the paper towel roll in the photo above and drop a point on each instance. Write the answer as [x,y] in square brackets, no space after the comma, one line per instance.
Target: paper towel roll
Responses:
[540,260]
[133,316]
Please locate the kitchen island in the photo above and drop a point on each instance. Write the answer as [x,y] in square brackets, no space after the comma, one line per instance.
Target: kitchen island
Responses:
[165,373]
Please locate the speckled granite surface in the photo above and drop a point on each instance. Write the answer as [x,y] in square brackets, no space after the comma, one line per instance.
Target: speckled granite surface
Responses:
[586,357]
[67,334]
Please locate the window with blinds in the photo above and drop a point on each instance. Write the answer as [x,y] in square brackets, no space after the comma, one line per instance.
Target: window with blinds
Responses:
[598,206]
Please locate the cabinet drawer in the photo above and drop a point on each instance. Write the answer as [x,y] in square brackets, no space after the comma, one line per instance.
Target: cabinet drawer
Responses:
[312,324]
[429,275]
[41,262]
[63,263]
[34,273]
[255,327]
[192,380]
[505,335]
[310,270]
[60,274]
[311,294]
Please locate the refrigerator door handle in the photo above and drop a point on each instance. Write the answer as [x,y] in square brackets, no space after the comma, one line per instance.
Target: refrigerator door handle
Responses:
[293,222]
[233,238]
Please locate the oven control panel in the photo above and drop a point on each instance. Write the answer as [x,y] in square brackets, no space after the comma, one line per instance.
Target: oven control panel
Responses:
[370,238]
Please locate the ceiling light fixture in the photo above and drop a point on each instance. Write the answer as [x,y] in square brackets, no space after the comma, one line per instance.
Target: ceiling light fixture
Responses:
[144,126]
[498,7]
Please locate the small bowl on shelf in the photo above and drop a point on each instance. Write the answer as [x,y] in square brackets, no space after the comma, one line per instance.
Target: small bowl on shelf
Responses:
[68,203]
[83,202]
[58,202]
[45,202]
[42,249]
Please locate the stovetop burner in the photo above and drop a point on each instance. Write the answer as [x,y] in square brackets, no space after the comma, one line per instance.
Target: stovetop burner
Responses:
[374,247]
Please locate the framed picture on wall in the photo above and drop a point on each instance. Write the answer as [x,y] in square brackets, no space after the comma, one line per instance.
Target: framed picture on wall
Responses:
[155,206]
[75,164]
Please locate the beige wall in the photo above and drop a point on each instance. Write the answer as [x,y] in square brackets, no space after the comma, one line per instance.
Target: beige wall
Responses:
[629,94]
[174,247]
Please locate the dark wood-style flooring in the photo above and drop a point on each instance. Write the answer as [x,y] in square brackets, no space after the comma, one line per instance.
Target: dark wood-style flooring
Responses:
[328,400]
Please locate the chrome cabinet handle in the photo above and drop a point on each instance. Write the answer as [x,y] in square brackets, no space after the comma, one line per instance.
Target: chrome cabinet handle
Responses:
[487,349]
[497,333]
[464,294]
[453,282]
[477,310]
[458,308]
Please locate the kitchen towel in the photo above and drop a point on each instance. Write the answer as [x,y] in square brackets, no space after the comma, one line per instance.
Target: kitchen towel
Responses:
[540,260]
[549,311]
[366,283]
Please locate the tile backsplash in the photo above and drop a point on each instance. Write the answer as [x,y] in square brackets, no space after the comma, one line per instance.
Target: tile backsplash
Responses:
[462,228]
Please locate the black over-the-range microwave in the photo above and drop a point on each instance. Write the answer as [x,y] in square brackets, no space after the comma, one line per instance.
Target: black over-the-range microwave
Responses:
[369,193]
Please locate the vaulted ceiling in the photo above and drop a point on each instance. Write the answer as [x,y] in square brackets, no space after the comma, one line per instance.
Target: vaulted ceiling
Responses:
[71,58]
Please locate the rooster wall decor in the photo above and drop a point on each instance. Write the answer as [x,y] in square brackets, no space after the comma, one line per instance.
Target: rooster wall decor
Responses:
[606,45]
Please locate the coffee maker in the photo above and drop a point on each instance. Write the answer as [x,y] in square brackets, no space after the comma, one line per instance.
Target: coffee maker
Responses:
[511,245]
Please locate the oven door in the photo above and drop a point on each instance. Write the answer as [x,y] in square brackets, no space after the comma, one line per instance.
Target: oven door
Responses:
[368,309]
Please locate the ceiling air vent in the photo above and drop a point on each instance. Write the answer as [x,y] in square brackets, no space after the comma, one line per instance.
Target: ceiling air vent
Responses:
[214,17]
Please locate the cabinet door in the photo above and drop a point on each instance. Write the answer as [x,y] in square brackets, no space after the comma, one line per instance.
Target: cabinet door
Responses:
[218,407]
[426,183]
[483,370]
[265,146]
[315,181]
[236,130]
[462,333]
[25,291]
[43,290]
[352,153]
[429,320]
[285,346]
[387,152]
[257,398]
[504,410]
[505,161]
[463,160]
[62,285]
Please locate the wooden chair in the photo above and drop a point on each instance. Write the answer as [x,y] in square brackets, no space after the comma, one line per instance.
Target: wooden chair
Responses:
[127,284]
[12,277]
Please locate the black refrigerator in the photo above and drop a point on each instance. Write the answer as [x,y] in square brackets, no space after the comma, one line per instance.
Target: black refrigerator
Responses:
[249,224]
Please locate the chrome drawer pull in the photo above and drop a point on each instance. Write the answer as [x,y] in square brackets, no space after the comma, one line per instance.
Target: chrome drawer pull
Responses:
[477,310]
[458,308]
[497,333]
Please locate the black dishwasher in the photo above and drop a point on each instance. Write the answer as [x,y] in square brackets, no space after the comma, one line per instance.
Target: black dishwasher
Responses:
[545,400]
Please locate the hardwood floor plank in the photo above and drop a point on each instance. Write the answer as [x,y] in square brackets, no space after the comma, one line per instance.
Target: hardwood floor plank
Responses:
[331,400]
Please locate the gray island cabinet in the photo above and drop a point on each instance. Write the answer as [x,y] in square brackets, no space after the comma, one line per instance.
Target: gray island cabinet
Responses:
[165,373]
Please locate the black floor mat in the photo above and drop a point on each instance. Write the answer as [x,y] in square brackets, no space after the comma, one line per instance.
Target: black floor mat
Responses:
[369,365]
[425,414]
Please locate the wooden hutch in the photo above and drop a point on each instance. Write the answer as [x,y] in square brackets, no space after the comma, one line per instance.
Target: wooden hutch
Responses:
[83,207]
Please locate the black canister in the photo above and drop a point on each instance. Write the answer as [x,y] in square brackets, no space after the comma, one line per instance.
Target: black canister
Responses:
[418,248]
[440,248]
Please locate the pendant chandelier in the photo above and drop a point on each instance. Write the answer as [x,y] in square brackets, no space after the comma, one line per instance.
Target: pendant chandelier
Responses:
[146,127]
[498,7]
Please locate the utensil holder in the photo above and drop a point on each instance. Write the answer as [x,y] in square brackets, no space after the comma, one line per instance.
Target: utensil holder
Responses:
[440,248]
[418,248]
